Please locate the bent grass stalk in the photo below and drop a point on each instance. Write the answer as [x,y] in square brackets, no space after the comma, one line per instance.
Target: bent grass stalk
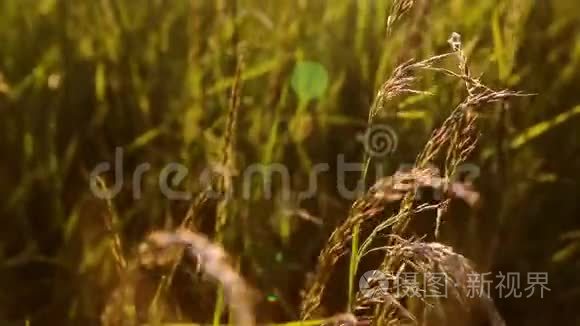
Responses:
[214,262]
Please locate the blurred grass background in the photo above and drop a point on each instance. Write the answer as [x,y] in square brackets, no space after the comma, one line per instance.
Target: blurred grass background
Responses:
[79,78]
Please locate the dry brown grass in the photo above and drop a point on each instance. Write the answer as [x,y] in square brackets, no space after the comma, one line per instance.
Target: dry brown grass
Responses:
[424,259]
[213,261]
[398,10]
[453,141]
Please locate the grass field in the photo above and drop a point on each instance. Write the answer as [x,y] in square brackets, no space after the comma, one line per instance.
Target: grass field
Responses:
[247,162]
